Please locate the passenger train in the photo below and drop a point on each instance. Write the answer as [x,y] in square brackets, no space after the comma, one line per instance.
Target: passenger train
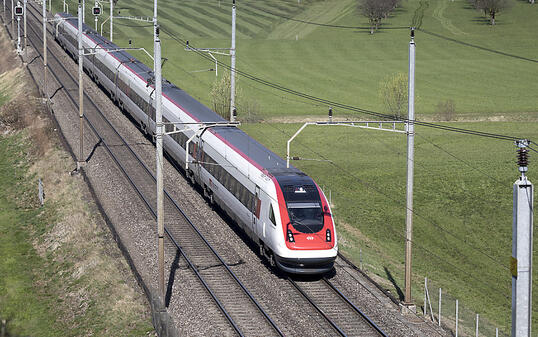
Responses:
[282,209]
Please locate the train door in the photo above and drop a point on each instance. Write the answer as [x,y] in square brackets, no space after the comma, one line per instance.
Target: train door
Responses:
[256,221]
[200,154]
[149,112]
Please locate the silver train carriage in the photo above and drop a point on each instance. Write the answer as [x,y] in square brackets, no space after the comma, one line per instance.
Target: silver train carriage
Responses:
[281,209]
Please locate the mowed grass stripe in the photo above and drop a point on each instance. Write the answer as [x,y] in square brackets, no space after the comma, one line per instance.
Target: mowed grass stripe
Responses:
[182,23]
[246,26]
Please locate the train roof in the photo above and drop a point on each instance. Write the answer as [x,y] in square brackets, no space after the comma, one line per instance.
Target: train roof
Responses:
[256,152]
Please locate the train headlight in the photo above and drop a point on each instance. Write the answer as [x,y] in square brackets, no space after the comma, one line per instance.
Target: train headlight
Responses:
[328,235]
[290,236]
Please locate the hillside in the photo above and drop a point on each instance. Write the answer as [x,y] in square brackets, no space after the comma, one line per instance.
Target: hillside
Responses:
[463,184]
[347,65]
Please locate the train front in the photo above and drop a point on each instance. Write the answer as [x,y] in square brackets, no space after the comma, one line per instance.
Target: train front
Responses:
[308,226]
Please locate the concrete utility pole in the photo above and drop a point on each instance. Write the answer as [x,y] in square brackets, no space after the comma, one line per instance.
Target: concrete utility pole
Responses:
[159,148]
[13,15]
[410,171]
[45,66]
[111,19]
[25,32]
[521,264]
[232,75]
[83,11]
[80,87]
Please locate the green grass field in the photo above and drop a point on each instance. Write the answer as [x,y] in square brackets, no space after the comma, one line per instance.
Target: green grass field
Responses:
[463,184]
[347,65]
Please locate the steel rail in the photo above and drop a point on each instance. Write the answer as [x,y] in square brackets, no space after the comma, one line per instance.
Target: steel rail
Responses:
[322,313]
[140,194]
[250,296]
[351,304]
[357,269]
[346,301]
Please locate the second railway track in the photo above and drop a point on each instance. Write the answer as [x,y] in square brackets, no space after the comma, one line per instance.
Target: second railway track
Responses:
[239,312]
[244,314]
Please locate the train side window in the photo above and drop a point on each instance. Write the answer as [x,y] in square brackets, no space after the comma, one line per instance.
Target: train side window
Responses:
[272,215]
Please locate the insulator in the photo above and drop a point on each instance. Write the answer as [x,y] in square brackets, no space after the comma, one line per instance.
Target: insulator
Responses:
[523,157]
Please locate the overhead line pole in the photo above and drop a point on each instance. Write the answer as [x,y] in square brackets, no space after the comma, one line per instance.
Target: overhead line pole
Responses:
[80,87]
[159,148]
[232,75]
[45,66]
[410,171]
[25,34]
[522,235]
[111,19]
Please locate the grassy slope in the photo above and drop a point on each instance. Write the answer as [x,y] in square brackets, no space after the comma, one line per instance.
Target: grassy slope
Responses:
[347,65]
[463,205]
[25,309]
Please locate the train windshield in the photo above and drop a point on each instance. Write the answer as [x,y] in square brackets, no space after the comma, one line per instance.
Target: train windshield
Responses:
[306,217]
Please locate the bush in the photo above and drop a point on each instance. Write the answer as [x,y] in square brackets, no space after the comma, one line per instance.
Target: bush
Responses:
[446,110]
[393,91]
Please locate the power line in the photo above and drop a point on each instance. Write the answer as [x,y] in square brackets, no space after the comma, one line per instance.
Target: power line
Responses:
[325,24]
[398,233]
[478,47]
[342,105]
[459,159]
[427,219]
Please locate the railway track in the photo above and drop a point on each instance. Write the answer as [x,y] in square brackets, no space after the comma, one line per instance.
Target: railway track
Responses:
[344,316]
[243,314]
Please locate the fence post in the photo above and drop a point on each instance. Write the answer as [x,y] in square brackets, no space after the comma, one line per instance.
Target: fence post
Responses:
[41,193]
[360,258]
[439,318]
[425,299]
[477,317]
[457,317]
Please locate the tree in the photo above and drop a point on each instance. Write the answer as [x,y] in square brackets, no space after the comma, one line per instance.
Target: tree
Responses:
[220,95]
[491,7]
[248,107]
[376,10]
[393,91]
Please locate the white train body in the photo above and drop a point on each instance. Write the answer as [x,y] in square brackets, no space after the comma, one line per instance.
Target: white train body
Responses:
[281,209]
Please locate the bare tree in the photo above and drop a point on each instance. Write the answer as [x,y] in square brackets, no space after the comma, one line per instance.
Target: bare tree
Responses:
[491,7]
[376,10]
[393,92]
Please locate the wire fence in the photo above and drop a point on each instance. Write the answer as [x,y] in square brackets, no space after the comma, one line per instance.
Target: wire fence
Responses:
[454,316]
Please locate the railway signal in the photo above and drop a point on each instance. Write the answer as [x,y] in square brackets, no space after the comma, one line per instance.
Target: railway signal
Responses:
[18,10]
[18,13]
[96,10]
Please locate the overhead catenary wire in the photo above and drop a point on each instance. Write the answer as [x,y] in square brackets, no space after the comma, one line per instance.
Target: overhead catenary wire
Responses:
[459,159]
[379,191]
[325,24]
[402,236]
[477,46]
[328,102]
